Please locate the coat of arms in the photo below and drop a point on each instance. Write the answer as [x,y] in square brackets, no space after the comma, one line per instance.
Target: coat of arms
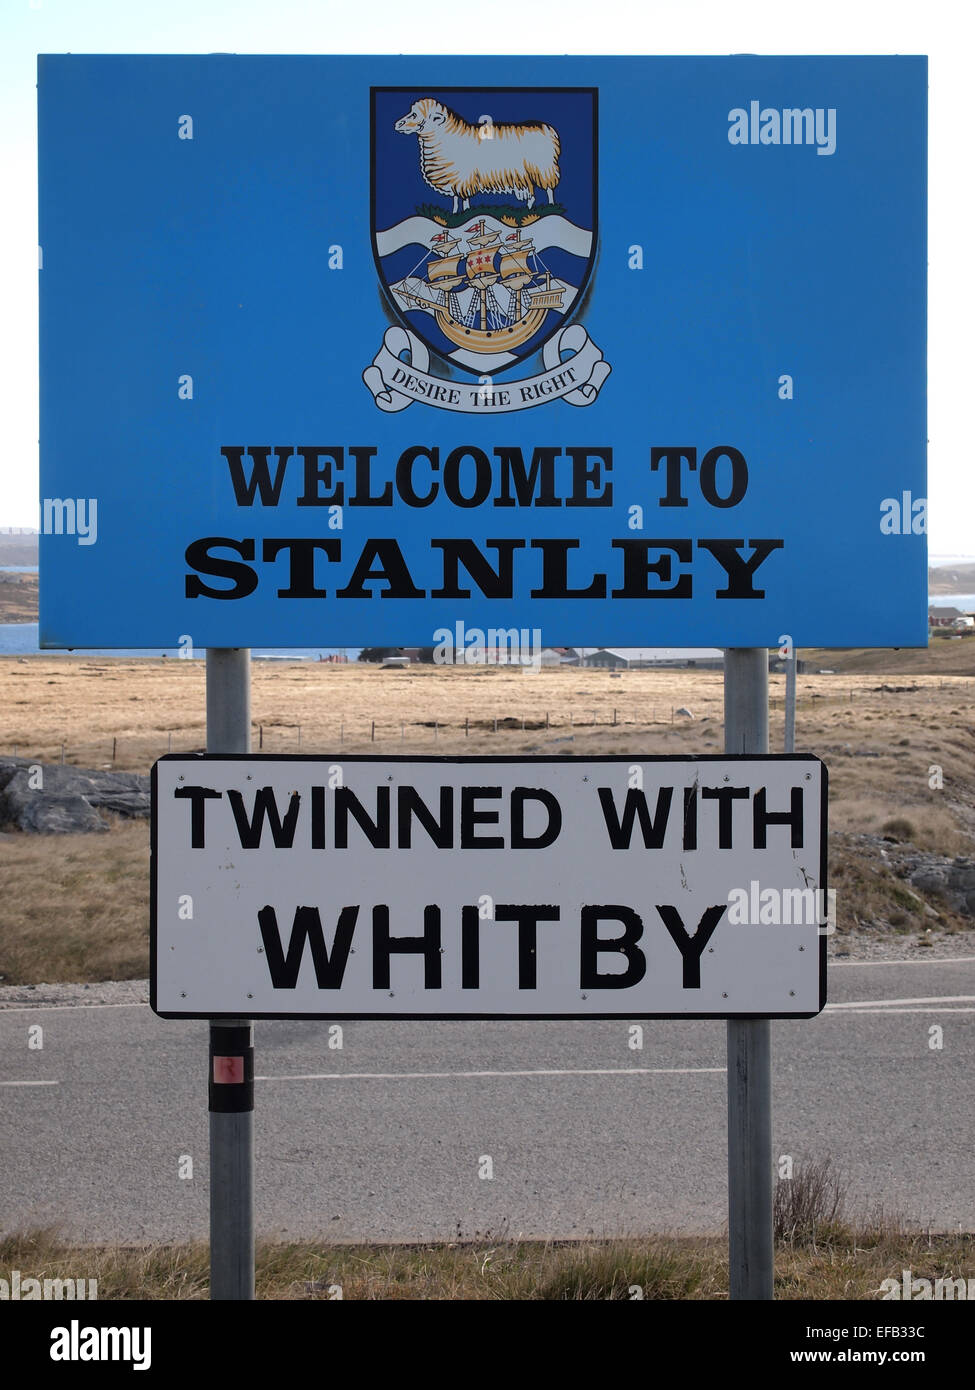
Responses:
[484,231]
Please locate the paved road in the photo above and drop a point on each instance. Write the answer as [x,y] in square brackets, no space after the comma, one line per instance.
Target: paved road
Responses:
[382,1140]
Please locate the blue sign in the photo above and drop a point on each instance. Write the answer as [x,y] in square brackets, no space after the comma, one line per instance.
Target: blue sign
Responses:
[610,351]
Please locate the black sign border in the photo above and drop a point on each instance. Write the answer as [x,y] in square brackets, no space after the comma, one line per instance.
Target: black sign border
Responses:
[444,760]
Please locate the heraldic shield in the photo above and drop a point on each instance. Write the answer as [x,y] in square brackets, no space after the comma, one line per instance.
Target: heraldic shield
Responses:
[484,222]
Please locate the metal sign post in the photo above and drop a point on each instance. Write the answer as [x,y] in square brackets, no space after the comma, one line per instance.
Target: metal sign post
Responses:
[750,1246]
[231,1080]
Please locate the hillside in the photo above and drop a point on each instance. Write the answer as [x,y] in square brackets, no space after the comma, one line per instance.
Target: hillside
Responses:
[945,656]
[18,597]
[18,548]
[955,579]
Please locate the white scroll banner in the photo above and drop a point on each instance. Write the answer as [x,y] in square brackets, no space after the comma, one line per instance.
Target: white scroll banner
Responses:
[396,383]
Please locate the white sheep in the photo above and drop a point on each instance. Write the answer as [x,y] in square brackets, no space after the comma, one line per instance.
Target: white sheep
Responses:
[460,160]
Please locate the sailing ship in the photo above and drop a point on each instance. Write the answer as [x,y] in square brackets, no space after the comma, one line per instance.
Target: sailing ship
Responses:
[491,296]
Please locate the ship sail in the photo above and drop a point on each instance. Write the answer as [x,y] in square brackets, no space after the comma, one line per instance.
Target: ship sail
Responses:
[481,268]
[445,272]
[444,245]
[514,269]
[480,239]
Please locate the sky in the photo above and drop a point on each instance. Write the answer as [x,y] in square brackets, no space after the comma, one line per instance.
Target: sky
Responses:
[936,28]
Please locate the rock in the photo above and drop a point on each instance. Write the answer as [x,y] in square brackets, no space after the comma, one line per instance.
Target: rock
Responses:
[55,814]
[951,879]
[69,799]
[683,713]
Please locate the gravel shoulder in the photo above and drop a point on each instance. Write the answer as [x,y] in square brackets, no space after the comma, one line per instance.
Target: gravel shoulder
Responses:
[106,992]
[902,946]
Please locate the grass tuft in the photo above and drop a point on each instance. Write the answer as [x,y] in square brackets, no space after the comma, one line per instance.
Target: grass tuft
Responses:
[810,1205]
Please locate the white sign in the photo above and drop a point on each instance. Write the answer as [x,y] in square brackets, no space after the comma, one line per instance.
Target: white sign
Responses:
[357,887]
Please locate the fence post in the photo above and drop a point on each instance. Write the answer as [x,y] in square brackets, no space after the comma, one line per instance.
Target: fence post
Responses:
[790,703]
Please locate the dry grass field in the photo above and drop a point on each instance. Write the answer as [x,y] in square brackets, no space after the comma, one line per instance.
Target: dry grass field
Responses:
[135,708]
[76,906]
[838,1262]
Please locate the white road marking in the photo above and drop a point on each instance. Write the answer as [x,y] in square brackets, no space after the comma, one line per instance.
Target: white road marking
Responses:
[30,1083]
[451,1075]
[885,1003]
[931,1009]
[937,960]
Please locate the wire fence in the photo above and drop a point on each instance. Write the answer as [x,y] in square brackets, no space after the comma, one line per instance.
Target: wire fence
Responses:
[137,750]
[133,747]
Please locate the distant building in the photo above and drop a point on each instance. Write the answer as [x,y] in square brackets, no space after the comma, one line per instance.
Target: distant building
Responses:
[641,658]
[950,617]
[606,658]
[559,656]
